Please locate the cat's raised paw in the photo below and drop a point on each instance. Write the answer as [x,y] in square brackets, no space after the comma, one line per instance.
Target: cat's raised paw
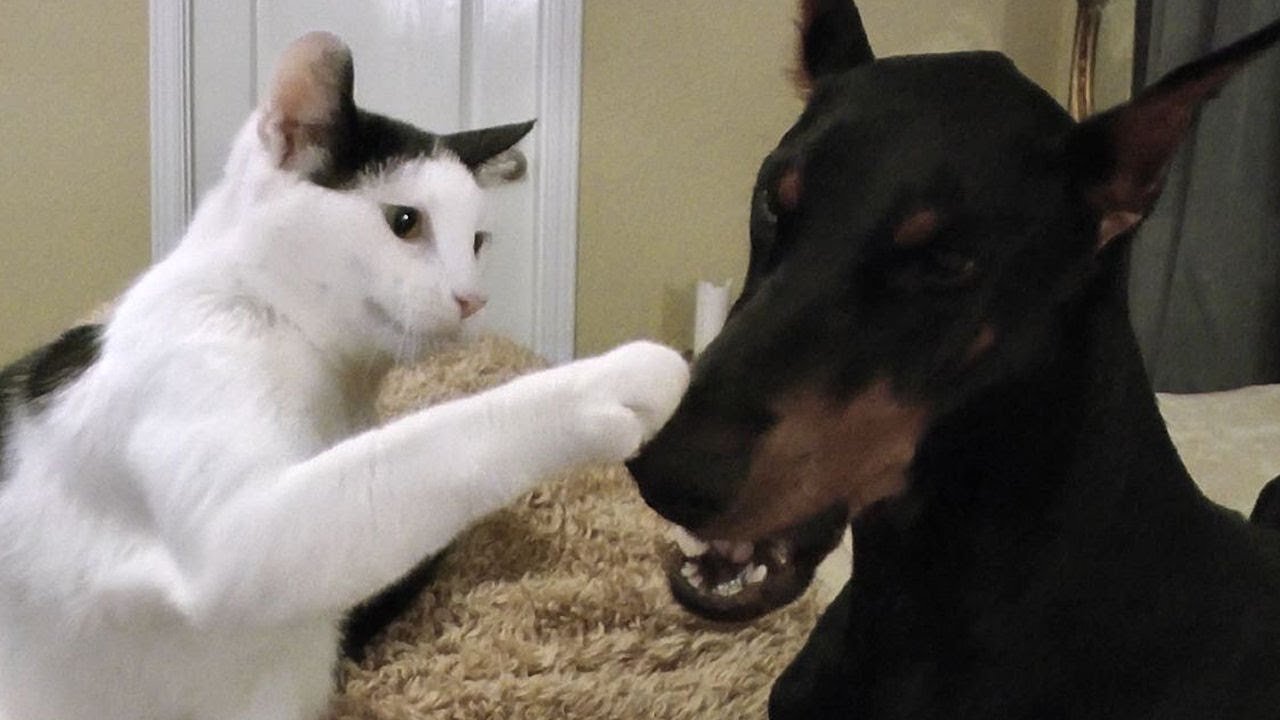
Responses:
[652,379]
[630,392]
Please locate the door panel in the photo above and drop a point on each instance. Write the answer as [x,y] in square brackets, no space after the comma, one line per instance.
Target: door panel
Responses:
[443,65]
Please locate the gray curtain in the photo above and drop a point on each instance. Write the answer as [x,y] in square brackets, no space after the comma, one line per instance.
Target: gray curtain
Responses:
[1205,280]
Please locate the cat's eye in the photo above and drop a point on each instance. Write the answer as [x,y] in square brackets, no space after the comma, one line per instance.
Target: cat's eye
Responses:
[482,239]
[404,221]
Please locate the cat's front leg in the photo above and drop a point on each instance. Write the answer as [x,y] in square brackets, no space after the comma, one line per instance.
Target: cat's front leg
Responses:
[597,410]
[334,529]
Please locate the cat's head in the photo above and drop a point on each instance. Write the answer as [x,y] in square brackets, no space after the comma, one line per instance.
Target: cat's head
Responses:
[366,220]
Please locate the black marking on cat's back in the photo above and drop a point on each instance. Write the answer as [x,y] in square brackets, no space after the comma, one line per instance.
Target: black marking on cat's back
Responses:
[34,377]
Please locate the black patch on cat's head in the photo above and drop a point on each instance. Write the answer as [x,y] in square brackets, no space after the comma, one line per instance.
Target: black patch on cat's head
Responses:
[310,124]
[368,143]
[37,375]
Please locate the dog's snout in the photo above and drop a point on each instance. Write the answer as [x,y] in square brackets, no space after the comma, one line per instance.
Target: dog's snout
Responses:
[668,487]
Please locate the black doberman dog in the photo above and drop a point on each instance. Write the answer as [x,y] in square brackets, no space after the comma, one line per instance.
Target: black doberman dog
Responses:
[933,344]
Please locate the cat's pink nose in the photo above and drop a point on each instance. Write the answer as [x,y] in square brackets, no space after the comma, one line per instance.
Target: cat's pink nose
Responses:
[470,303]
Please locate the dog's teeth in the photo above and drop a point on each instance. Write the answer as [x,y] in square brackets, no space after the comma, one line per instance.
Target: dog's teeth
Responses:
[728,587]
[756,573]
[689,570]
[781,551]
[688,544]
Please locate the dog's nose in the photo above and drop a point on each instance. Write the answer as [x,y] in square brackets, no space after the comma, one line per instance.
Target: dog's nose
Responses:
[470,303]
[671,494]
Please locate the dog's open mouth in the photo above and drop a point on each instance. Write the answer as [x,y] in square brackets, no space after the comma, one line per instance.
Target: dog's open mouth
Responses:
[732,581]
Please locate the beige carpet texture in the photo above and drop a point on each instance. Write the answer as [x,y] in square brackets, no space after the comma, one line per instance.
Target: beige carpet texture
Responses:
[555,607]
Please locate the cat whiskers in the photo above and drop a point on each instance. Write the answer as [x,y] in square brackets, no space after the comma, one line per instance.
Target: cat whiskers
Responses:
[411,341]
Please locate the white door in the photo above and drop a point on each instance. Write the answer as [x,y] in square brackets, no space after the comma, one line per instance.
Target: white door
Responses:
[443,65]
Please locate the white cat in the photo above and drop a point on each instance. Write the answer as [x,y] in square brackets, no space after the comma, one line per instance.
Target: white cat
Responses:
[190,496]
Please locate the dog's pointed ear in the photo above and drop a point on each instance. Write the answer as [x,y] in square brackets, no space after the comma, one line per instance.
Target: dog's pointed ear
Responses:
[477,147]
[1121,157]
[309,102]
[832,40]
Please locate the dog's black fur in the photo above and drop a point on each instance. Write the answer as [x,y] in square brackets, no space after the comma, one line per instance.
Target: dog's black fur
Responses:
[939,224]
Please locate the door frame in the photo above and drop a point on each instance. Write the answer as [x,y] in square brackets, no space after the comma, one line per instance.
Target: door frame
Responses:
[555,176]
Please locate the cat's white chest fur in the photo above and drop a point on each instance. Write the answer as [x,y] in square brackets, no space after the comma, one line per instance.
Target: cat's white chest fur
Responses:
[190,499]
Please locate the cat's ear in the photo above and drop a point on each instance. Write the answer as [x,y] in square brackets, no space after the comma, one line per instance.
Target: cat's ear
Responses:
[309,102]
[476,148]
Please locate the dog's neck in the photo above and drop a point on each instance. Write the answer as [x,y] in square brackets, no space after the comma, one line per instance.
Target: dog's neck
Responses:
[1045,505]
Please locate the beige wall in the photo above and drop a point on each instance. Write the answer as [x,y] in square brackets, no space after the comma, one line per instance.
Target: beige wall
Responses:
[1115,54]
[680,101]
[73,161]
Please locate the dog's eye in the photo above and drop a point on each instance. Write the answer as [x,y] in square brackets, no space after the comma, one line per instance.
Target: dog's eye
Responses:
[482,239]
[404,221]
[952,269]
[932,270]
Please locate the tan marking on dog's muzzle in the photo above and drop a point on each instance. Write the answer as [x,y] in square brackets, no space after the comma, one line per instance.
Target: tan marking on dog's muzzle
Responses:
[822,453]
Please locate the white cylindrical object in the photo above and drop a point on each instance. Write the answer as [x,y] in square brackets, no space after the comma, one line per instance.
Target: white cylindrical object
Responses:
[710,310]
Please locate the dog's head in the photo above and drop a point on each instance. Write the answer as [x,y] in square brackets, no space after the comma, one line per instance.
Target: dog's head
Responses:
[914,237]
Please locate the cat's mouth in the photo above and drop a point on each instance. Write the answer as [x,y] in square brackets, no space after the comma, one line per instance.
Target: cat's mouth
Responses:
[412,343]
[737,581]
